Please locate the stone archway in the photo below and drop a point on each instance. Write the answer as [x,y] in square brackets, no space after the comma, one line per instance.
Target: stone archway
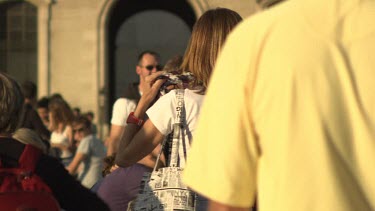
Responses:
[105,100]
[156,30]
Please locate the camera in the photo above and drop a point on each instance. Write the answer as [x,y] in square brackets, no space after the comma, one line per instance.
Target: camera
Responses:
[179,81]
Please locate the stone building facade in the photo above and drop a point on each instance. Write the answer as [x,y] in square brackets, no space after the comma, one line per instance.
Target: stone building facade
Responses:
[79,51]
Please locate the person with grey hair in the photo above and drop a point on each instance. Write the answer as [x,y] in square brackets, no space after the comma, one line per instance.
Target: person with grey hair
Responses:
[70,194]
[11,103]
[28,136]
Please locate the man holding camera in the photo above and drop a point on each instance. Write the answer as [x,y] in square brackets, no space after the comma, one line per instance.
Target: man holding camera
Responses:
[148,63]
[116,191]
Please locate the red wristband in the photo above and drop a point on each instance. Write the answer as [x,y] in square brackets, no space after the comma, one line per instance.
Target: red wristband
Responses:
[134,120]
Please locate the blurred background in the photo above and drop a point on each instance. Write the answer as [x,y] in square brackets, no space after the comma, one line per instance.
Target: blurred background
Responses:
[87,50]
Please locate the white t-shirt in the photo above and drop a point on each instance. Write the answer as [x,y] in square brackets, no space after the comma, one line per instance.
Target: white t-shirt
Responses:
[121,110]
[61,138]
[162,114]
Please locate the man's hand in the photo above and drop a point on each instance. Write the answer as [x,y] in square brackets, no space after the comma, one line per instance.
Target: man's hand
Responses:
[149,93]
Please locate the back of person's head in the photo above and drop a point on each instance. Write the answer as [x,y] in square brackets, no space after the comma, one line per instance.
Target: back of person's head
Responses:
[89,115]
[27,136]
[11,104]
[173,65]
[56,96]
[207,38]
[61,113]
[82,120]
[29,89]
[140,56]
[76,109]
[42,103]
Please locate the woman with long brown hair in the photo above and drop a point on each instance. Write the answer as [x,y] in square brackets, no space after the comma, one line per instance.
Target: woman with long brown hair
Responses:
[61,117]
[207,38]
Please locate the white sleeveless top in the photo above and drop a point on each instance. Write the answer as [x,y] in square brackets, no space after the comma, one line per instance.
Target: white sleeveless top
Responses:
[61,138]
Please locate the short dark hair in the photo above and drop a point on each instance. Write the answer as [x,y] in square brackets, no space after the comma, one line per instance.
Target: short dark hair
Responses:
[43,103]
[28,89]
[140,56]
[82,120]
[90,113]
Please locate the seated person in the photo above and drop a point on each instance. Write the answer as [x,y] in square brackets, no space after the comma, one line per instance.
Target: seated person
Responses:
[90,153]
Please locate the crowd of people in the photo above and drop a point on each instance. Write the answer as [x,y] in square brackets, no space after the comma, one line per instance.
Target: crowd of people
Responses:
[278,112]
[67,190]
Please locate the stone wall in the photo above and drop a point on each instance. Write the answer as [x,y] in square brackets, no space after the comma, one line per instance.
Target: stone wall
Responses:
[72,49]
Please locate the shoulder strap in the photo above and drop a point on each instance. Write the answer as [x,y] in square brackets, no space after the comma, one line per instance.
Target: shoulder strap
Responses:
[29,157]
[178,128]
[180,116]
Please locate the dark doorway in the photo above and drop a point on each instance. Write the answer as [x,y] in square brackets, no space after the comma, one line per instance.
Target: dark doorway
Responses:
[18,40]
[136,25]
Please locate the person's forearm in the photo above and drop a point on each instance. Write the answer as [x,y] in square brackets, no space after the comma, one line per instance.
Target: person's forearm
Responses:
[143,105]
[72,168]
[129,155]
[126,156]
[140,113]
[60,146]
[130,131]
[112,143]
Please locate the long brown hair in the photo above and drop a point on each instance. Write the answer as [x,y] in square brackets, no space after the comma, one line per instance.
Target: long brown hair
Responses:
[61,113]
[207,38]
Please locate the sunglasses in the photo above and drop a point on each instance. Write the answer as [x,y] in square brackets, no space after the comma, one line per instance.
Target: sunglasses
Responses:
[81,129]
[151,67]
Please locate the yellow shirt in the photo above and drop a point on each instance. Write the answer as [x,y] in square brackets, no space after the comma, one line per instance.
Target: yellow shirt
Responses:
[289,115]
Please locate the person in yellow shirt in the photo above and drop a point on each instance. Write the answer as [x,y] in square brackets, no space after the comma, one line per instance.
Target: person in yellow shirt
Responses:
[289,114]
